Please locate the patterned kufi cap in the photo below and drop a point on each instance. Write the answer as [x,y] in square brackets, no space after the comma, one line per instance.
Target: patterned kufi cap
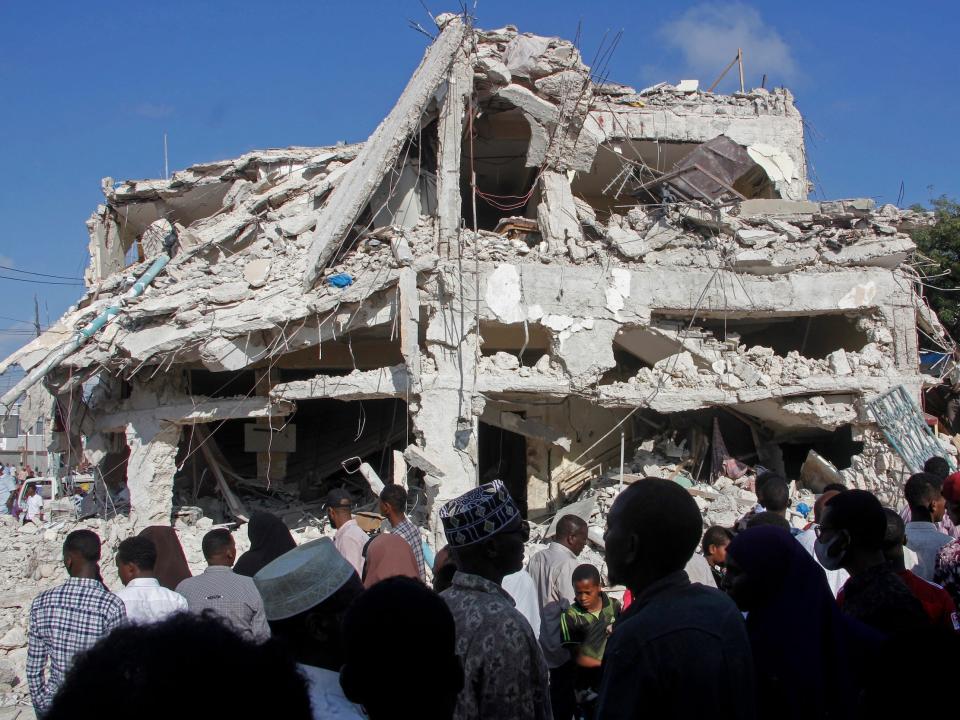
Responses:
[478,514]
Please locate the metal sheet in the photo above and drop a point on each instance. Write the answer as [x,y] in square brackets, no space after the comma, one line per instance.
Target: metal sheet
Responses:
[902,423]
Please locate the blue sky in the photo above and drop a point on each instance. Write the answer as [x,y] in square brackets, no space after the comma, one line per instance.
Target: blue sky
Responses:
[90,88]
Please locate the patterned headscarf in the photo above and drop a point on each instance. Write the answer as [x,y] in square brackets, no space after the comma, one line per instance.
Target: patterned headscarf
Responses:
[478,514]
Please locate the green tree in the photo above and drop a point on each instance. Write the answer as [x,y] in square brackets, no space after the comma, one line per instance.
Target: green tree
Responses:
[941,243]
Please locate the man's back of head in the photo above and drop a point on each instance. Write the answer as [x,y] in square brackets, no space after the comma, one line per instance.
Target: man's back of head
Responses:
[81,553]
[218,547]
[938,466]
[774,495]
[922,493]
[572,533]
[426,617]
[136,558]
[652,530]
[393,499]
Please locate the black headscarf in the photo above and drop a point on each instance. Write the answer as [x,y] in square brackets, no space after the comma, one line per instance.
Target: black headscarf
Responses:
[269,539]
[798,634]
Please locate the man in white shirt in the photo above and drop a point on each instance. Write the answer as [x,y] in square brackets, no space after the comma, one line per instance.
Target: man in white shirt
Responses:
[523,590]
[552,573]
[142,595]
[350,538]
[927,507]
[34,506]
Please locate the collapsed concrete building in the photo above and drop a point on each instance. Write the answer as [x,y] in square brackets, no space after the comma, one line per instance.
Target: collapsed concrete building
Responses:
[520,269]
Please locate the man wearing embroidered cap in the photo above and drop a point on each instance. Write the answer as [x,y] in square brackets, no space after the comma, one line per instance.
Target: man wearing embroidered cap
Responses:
[505,674]
[306,592]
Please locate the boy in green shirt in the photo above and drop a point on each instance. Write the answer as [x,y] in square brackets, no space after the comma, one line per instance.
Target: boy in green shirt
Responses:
[585,626]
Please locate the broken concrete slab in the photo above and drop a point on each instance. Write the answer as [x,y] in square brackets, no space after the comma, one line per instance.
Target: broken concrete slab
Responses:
[557,216]
[256,272]
[761,207]
[422,460]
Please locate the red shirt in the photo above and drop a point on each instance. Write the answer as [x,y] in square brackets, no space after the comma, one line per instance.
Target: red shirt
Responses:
[935,600]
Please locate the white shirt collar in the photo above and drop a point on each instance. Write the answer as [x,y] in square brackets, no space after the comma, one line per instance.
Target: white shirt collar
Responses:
[143,582]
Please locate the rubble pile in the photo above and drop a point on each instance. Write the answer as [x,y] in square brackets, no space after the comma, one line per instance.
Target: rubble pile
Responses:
[761,237]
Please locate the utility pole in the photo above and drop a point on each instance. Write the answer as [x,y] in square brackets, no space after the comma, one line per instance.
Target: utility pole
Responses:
[166,165]
[36,314]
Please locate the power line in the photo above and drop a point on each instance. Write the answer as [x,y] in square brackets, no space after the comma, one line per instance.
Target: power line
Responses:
[40,282]
[25,322]
[30,272]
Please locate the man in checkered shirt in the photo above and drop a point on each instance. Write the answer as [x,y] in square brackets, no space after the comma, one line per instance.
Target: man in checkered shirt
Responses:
[393,504]
[69,619]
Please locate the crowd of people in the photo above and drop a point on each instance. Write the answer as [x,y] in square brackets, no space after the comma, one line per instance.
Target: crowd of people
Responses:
[764,621]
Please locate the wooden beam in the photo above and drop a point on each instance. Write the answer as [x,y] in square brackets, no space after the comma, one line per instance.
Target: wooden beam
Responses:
[380,152]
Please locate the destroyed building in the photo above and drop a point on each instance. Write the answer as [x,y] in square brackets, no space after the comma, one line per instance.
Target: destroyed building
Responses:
[522,267]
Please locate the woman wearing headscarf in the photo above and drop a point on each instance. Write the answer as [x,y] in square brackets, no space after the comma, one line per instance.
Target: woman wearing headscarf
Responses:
[171,568]
[269,539]
[799,637]
[388,556]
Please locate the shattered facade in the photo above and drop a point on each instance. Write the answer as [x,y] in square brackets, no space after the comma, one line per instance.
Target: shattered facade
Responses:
[519,265]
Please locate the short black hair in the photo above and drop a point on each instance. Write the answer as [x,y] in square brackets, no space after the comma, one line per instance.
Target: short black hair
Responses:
[138,550]
[937,465]
[835,487]
[715,535]
[373,616]
[767,518]
[215,542]
[663,516]
[31,486]
[860,513]
[86,543]
[137,664]
[586,572]
[765,477]
[774,495]
[395,496]
[922,489]
[570,524]
[896,530]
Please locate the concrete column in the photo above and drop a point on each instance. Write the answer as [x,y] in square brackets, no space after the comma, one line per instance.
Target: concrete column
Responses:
[150,471]
[450,129]
[444,421]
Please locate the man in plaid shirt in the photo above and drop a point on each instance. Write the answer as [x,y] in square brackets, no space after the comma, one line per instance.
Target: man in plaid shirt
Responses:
[69,619]
[393,504]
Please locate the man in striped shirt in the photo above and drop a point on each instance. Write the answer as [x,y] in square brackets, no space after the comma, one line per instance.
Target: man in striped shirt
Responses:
[233,597]
[68,619]
[393,504]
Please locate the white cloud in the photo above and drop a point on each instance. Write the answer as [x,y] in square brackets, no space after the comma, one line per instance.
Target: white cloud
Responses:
[7,261]
[707,36]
